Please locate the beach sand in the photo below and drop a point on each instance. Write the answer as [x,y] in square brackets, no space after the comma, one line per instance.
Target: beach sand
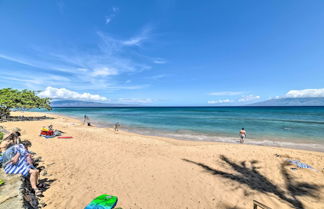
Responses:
[160,173]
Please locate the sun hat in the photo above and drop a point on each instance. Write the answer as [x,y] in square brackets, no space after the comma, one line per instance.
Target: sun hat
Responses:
[16,130]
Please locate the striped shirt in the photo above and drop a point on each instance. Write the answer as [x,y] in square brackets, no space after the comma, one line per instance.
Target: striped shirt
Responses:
[22,166]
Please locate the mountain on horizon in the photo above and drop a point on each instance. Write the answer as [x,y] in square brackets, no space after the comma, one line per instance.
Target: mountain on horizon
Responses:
[78,103]
[305,101]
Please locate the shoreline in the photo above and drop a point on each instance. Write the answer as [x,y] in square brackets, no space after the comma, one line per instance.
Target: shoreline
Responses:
[302,144]
[144,171]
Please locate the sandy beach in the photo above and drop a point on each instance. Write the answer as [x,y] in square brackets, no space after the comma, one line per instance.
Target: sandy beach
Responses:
[161,173]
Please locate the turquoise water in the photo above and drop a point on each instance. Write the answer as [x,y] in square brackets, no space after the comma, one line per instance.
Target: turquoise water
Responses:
[279,126]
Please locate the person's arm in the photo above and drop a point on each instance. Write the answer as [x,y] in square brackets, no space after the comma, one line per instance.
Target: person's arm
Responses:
[15,158]
[30,159]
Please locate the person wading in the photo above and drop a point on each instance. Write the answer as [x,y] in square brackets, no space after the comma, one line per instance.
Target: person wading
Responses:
[242,135]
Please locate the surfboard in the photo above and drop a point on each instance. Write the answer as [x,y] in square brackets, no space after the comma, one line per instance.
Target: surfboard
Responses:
[104,201]
[65,137]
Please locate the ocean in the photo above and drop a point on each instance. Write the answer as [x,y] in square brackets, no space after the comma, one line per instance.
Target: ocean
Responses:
[296,127]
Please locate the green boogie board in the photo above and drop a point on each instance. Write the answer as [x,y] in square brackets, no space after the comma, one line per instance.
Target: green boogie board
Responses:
[103,202]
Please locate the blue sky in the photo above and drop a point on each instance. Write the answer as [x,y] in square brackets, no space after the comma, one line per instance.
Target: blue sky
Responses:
[163,52]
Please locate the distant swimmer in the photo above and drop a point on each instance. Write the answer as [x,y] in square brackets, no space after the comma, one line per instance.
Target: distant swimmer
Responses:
[242,135]
[116,127]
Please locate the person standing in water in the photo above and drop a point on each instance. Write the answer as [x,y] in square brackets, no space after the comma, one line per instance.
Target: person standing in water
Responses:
[116,127]
[242,135]
[86,120]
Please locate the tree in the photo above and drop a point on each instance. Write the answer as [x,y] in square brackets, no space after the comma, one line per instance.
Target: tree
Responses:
[20,99]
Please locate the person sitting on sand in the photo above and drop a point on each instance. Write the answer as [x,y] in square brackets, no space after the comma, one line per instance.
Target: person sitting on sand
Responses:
[242,135]
[17,160]
[14,136]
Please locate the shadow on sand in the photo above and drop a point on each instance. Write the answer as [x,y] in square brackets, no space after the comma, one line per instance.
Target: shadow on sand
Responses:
[31,201]
[251,177]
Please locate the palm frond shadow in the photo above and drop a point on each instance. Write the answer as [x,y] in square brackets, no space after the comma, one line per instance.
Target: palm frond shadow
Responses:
[251,177]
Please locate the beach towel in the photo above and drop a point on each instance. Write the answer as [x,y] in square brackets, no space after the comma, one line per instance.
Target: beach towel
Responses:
[300,164]
[22,166]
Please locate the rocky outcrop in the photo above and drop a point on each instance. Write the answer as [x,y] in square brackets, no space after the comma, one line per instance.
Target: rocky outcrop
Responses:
[11,192]
[23,118]
[16,191]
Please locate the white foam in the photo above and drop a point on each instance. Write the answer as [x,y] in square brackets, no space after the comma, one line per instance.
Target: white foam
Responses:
[187,135]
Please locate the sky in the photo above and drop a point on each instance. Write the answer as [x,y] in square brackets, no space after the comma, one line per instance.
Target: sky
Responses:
[163,52]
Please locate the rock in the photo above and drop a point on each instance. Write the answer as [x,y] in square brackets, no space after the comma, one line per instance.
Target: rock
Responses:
[11,197]
[44,172]
[3,130]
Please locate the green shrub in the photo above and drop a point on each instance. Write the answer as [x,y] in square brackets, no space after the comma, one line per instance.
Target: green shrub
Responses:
[1,136]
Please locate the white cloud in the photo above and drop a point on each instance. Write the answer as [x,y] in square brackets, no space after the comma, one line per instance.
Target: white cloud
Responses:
[108,20]
[135,100]
[305,93]
[110,17]
[83,70]
[37,64]
[225,93]
[18,60]
[27,80]
[63,93]
[220,101]
[138,39]
[105,71]
[135,41]
[248,98]
[31,80]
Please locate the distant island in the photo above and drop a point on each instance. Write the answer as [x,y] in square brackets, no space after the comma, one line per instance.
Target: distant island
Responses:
[306,101]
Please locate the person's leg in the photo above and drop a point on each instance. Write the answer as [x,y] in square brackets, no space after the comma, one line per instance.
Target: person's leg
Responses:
[34,174]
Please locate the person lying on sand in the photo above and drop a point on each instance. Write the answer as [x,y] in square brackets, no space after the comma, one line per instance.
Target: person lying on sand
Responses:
[17,160]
